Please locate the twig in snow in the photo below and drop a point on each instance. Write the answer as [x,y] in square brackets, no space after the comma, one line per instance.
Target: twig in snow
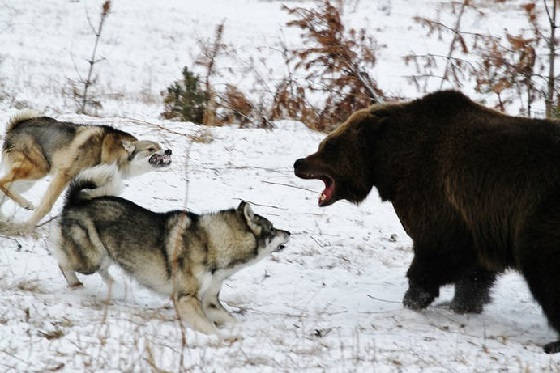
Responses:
[158,126]
[182,222]
[19,246]
[288,185]
[48,221]
[257,204]
[384,300]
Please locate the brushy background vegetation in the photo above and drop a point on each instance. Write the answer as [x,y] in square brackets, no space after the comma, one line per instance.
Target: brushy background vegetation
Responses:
[337,61]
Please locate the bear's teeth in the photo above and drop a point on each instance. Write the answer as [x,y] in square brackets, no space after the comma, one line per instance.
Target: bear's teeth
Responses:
[322,197]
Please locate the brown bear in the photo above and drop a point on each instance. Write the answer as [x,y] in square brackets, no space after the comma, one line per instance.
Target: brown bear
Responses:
[476,190]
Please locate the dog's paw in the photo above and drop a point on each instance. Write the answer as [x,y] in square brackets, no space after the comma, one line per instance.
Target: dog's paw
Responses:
[219,316]
[417,298]
[76,285]
[203,326]
[224,320]
[27,205]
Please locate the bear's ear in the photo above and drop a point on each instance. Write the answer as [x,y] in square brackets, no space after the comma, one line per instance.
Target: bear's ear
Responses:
[375,122]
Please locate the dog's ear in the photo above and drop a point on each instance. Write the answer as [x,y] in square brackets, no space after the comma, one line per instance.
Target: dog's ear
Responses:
[128,146]
[245,210]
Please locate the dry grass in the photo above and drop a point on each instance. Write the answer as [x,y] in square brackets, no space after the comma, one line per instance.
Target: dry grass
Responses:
[202,136]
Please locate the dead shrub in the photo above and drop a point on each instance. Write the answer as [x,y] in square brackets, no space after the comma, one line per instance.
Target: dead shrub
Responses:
[336,62]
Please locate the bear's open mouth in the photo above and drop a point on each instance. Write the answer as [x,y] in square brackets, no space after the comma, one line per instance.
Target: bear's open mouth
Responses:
[327,195]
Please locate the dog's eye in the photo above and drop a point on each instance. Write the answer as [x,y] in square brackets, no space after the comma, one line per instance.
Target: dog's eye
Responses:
[151,149]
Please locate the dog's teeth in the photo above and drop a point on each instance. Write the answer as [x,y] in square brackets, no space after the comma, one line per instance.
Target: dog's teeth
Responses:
[322,197]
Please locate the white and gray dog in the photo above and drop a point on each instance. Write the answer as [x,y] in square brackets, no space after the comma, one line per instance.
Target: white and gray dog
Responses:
[176,253]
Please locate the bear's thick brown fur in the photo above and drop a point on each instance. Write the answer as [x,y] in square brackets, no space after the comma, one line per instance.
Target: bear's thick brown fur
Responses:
[477,191]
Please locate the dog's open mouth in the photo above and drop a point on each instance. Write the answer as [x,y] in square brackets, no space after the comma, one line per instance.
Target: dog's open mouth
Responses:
[327,195]
[160,160]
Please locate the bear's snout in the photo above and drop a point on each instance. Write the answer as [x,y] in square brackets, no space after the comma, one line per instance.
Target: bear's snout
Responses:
[298,164]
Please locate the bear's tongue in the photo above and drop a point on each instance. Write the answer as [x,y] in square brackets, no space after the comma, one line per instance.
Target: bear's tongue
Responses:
[327,194]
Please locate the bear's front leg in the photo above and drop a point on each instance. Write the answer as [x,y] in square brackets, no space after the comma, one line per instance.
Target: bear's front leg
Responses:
[433,266]
[472,291]
[421,288]
[441,261]
[417,298]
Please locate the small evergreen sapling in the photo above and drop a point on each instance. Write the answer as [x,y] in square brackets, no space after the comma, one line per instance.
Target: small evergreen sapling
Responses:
[185,99]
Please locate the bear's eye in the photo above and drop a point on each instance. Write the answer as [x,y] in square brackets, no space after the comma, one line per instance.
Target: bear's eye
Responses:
[151,149]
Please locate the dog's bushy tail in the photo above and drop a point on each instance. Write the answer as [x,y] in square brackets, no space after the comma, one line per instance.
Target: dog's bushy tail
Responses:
[20,117]
[98,181]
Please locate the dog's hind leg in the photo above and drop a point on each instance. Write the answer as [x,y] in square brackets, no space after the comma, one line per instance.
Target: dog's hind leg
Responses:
[21,186]
[107,278]
[68,253]
[23,164]
[70,277]
[105,258]
[17,188]
[104,273]
[9,186]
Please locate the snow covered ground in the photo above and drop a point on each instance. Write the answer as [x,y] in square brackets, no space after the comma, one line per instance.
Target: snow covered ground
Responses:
[330,301]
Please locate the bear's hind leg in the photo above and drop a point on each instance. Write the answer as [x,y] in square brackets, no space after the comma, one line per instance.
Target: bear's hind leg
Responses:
[543,282]
[538,258]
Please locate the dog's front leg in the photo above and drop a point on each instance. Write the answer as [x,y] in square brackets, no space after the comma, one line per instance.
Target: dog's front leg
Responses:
[190,309]
[57,185]
[213,308]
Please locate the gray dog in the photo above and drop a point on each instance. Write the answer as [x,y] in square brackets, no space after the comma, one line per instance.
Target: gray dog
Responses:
[177,253]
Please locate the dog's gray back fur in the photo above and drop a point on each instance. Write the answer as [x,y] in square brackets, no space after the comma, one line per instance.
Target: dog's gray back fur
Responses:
[49,133]
[118,223]
[142,241]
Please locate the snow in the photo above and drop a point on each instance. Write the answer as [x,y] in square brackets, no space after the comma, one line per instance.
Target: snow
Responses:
[330,301]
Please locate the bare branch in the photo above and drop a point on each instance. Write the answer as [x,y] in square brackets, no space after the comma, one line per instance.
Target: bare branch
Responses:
[456,37]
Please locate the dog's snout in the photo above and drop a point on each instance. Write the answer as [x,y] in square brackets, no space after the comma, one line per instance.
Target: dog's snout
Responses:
[168,152]
[298,163]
